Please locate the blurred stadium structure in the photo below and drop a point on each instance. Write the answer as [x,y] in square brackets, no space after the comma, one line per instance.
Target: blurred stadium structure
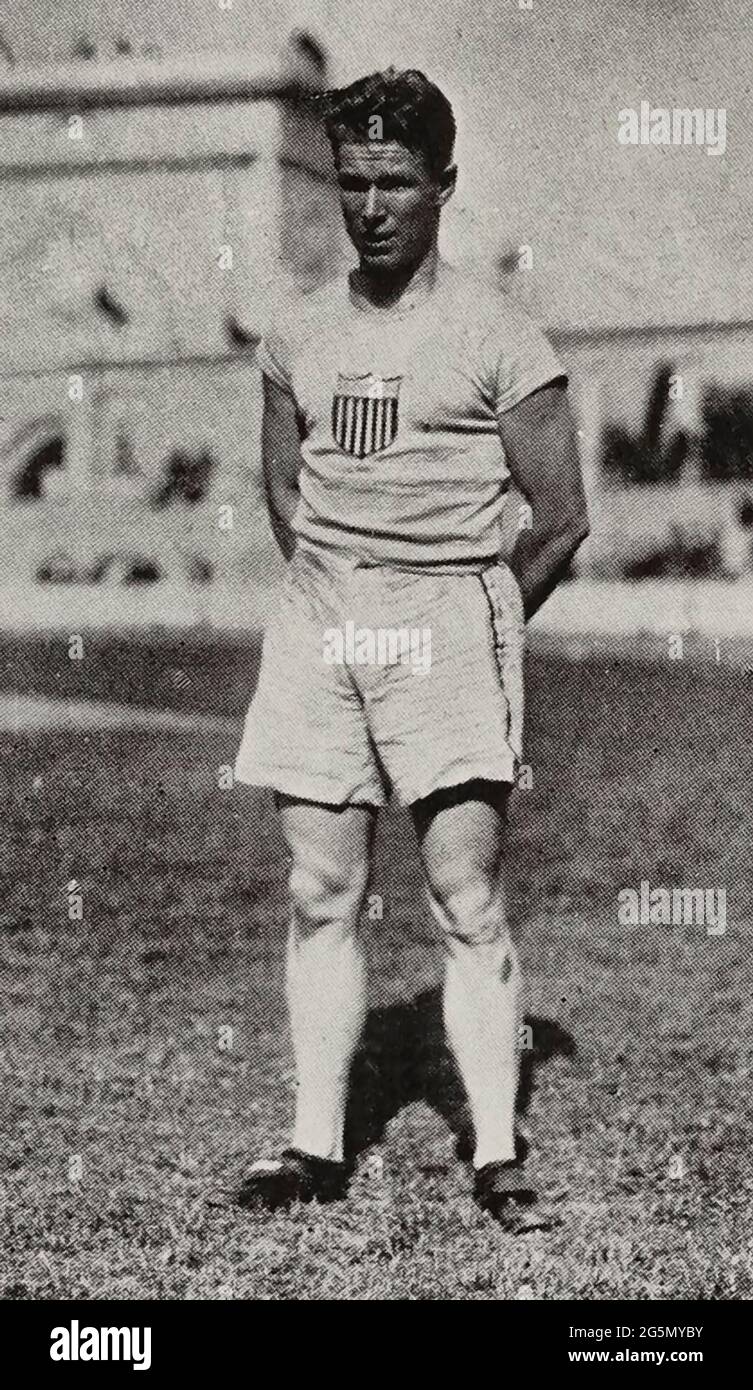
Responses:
[153,214]
[138,264]
[666,423]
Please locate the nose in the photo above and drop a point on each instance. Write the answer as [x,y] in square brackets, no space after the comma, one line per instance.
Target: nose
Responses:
[372,208]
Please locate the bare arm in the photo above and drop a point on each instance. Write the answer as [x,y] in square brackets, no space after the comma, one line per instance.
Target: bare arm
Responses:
[281,462]
[540,442]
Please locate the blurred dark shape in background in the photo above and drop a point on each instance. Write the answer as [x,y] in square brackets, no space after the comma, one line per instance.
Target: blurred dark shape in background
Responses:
[678,558]
[656,455]
[142,570]
[121,567]
[301,52]
[84,48]
[6,52]
[199,570]
[237,334]
[727,443]
[109,305]
[27,483]
[187,478]
[507,262]
[653,455]
[59,568]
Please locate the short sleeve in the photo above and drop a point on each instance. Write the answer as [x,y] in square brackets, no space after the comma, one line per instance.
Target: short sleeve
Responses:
[517,359]
[273,357]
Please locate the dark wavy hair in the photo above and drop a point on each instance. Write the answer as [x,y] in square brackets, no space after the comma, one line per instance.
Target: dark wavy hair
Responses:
[413,111]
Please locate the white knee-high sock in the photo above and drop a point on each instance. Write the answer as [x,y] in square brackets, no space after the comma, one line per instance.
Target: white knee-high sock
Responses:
[326,990]
[481,1014]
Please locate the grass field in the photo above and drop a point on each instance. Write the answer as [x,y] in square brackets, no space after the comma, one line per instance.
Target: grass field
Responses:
[126,1101]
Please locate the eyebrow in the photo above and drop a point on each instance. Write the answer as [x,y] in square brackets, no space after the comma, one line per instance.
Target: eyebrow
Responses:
[369,176]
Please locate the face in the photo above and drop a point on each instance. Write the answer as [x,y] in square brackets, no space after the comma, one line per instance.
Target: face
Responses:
[390,202]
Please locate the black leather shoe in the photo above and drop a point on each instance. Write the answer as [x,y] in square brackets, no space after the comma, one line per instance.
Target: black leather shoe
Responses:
[501,1188]
[294,1177]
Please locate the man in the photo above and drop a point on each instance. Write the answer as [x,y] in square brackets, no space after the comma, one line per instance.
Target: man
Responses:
[398,405]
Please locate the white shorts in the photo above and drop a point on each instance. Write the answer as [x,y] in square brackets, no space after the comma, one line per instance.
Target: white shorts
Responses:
[378,680]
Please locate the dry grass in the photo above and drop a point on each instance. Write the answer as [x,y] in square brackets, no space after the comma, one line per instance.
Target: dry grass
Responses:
[111,1027]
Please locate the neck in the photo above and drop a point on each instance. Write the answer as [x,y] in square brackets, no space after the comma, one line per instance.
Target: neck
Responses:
[414,283]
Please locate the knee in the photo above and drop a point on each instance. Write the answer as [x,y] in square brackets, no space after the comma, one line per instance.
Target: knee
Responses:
[323,895]
[470,908]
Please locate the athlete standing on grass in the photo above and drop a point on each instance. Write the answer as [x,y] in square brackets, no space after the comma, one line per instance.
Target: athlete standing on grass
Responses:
[386,397]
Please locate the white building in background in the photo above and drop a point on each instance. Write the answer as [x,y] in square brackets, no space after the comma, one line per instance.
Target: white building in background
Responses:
[153,212]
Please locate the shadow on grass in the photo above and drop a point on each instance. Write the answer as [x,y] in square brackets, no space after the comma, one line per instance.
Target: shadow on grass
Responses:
[403,1057]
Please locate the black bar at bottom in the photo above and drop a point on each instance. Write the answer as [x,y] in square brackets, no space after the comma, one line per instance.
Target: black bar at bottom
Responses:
[160,1339]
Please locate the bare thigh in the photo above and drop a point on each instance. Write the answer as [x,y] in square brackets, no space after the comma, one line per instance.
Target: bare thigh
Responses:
[461,839]
[330,854]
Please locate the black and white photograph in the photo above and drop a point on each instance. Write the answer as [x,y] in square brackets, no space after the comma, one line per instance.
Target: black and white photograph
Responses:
[376,661]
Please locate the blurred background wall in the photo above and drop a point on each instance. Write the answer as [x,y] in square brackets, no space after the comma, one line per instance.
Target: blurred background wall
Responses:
[142,250]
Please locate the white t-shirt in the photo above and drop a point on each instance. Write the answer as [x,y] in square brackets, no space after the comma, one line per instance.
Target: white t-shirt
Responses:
[402,459]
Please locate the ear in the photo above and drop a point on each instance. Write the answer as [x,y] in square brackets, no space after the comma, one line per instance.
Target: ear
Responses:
[446,184]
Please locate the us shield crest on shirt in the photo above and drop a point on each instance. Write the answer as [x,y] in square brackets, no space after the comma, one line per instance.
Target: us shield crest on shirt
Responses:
[365,413]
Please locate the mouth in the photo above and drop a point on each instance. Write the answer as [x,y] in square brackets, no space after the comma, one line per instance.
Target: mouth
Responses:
[378,245]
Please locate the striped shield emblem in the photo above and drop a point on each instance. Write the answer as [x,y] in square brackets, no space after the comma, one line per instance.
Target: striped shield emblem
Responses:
[364,413]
